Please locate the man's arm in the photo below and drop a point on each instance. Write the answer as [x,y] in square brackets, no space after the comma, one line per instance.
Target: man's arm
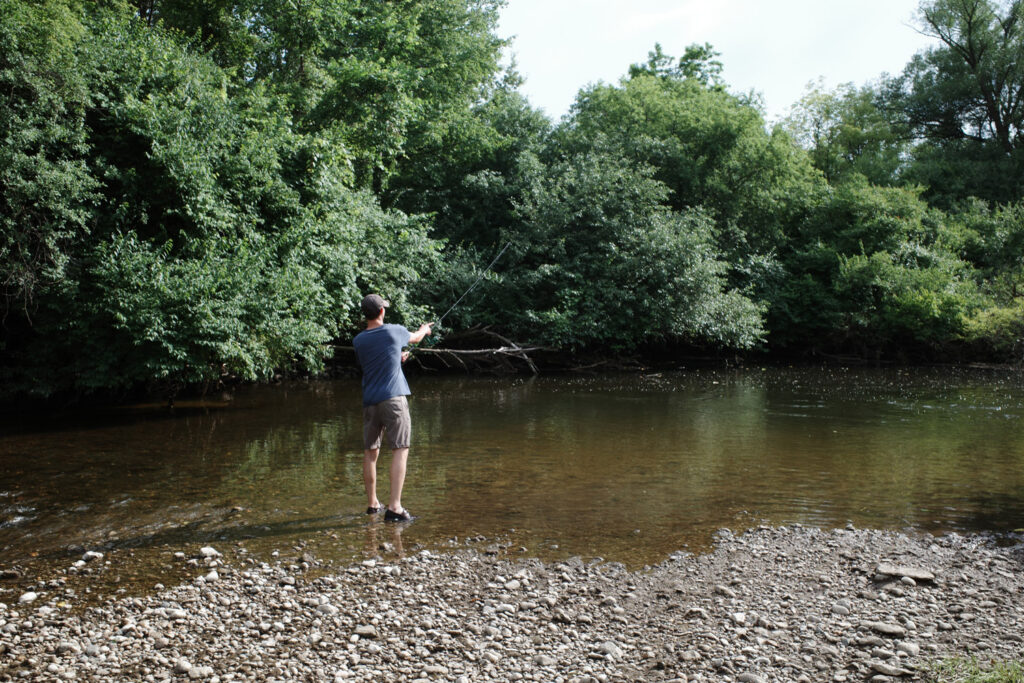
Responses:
[417,336]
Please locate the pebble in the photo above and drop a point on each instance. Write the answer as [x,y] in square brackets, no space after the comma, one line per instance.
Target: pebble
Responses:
[766,606]
[328,609]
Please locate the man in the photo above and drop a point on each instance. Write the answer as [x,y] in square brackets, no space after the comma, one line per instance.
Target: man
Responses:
[385,408]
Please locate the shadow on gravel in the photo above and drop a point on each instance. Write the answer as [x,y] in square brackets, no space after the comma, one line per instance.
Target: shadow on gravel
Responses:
[199,532]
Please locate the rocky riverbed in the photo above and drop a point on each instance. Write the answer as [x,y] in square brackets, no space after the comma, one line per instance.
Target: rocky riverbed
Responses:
[786,604]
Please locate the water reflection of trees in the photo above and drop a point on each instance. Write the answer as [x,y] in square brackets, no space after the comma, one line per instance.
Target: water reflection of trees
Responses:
[617,460]
[613,463]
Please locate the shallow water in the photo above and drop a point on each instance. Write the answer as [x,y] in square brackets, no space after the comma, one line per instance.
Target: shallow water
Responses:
[626,467]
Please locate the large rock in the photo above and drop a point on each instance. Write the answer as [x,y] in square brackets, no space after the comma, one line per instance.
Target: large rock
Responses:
[366,631]
[893,630]
[884,569]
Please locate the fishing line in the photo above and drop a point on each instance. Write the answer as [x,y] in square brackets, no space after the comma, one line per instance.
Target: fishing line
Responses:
[473,286]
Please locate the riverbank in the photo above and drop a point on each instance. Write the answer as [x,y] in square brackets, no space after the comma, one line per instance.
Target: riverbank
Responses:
[784,604]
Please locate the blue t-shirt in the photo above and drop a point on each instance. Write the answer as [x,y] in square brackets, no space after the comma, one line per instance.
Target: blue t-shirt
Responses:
[380,353]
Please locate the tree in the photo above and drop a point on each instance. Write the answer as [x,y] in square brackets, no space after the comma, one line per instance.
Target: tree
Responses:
[46,189]
[378,75]
[872,270]
[699,63]
[602,263]
[215,239]
[965,100]
[982,68]
[708,147]
[846,133]
[471,178]
[370,77]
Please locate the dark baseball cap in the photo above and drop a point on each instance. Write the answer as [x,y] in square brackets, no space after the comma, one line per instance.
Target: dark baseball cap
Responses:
[372,304]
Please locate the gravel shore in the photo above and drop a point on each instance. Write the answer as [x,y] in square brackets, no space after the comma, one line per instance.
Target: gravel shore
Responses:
[772,604]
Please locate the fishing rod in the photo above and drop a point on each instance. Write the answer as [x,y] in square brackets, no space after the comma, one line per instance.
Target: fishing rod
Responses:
[473,286]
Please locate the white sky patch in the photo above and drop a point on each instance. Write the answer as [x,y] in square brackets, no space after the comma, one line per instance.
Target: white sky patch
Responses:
[772,47]
[695,15]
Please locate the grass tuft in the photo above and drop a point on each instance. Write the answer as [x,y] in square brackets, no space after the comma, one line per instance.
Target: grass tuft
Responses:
[970,670]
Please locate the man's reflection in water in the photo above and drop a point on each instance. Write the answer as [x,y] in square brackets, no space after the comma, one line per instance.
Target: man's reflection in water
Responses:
[383,540]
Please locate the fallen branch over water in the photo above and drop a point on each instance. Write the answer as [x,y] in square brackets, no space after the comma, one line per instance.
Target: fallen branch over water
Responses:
[459,355]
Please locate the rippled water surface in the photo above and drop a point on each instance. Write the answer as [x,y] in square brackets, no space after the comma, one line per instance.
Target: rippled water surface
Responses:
[625,467]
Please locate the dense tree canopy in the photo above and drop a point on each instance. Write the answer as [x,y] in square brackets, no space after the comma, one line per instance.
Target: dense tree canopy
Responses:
[964,100]
[198,190]
[848,134]
[204,234]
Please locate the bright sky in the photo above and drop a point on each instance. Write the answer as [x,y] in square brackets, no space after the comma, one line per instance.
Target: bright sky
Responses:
[775,47]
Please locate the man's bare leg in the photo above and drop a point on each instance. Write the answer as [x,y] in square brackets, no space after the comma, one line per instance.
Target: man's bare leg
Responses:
[398,459]
[370,476]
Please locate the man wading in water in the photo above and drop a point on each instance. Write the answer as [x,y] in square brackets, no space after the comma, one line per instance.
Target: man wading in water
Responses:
[385,409]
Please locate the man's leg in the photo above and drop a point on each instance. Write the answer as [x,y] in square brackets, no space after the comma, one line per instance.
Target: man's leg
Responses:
[370,476]
[398,458]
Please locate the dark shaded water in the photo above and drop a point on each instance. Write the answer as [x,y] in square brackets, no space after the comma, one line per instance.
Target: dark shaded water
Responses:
[629,468]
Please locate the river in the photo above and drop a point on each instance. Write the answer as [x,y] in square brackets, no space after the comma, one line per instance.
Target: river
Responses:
[624,467]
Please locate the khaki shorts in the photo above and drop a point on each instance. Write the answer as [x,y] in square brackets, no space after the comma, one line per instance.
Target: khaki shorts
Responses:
[391,416]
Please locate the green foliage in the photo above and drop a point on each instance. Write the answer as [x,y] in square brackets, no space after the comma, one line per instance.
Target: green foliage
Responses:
[871,270]
[708,147]
[379,76]
[992,239]
[605,264]
[699,62]
[471,178]
[998,331]
[969,86]
[372,77]
[46,190]
[962,100]
[911,299]
[192,189]
[846,134]
[955,171]
[221,241]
